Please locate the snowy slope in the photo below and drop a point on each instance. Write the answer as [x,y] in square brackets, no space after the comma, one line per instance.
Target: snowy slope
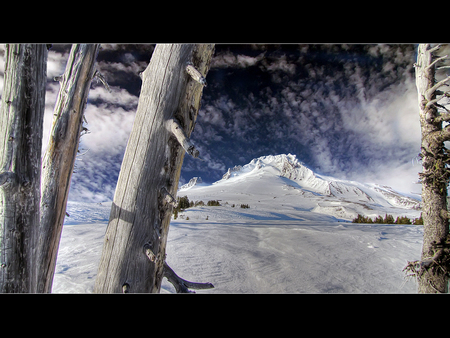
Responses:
[294,238]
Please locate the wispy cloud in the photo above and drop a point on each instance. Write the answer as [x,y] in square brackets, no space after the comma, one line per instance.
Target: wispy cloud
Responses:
[118,97]
[110,121]
[228,59]
[56,63]
[345,111]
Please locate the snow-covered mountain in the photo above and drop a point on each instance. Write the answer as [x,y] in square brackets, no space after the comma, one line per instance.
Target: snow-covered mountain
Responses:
[292,239]
[282,182]
[192,182]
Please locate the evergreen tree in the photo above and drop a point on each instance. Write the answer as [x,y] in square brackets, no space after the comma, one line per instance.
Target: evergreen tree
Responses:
[418,221]
[388,219]
[378,220]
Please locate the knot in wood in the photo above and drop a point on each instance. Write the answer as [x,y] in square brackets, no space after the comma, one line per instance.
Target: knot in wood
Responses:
[149,253]
[126,288]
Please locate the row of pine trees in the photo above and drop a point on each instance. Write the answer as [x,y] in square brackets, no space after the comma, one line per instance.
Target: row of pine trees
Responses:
[388,219]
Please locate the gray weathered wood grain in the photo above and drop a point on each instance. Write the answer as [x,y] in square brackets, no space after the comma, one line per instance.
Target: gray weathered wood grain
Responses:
[435,174]
[21,120]
[140,214]
[59,158]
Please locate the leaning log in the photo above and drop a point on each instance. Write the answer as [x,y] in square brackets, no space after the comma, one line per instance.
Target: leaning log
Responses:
[134,248]
[59,158]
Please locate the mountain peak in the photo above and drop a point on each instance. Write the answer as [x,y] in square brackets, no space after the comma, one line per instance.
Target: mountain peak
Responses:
[192,182]
[282,182]
[284,163]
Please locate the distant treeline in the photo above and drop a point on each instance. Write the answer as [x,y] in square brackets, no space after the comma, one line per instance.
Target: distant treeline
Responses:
[388,219]
[184,203]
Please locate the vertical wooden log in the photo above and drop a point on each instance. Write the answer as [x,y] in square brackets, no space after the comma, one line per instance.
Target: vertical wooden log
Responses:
[140,215]
[21,120]
[59,158]
[434,181]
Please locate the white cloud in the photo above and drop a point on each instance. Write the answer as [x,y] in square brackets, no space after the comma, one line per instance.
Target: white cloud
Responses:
[97,170]
[109,69]
[109,128]
[228,59]
[386,120]
[56,63]
[118,96]
[353,123]
[370,138]
[281,64]
[212,115]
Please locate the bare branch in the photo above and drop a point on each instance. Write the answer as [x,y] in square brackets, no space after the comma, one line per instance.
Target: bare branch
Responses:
[436,86]
[445,214]
[431,50]
[181,285]
[195,74]
[444,117]
[176,129]
[81,154]
[102,79]
[433,102]
[435,61]
[444,134]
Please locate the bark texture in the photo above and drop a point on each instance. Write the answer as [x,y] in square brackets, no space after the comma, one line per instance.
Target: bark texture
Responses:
[435,174]
[134,248]
[59,158]
[21,120]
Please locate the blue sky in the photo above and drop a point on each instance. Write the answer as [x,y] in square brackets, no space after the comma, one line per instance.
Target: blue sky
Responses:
[348,111]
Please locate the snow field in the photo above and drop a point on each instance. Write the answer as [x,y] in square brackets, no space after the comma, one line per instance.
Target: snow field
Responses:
[262,256]
[293,256]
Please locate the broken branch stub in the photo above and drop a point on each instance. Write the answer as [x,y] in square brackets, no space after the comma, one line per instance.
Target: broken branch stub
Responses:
[195,74]
[180,135]
[102,79]
[168,198]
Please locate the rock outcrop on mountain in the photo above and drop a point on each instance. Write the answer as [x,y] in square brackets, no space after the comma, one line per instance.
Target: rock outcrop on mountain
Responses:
[192,182]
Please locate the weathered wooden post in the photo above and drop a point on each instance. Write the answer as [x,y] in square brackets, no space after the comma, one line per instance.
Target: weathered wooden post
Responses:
[21,120]
[59,158]
[134,249]
[433,268]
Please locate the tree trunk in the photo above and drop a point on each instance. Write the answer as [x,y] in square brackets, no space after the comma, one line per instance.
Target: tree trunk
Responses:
[133,254]
[21,120]
[435,174]
[59,159]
